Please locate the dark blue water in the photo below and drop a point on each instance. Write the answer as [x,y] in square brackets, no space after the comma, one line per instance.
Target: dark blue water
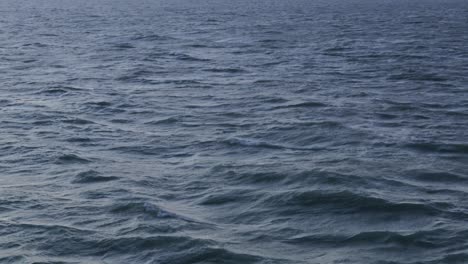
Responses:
[217,131]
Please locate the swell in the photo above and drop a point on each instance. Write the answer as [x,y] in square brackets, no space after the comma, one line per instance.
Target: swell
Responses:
[68,159]
[434,147]
[147,209]
[348,202]
[92,176]
[301,105]
[63,242]
[254,143]
[426,239]
[150,37]
[246,177]
[168,120]
[264,132]
[441,177]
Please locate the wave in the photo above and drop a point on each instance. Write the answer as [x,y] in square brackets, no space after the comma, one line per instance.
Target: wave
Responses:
[135,75]
[288,178]
[54,90]
[418,76]
[150,37]
[226,197]
[217,255]
[92,176]
[99,104]
[242,142]
[226,70]
[123,46]
[264,132]
[13,259]
[169,120]
[71,159]
[5,102]
[346,201]
[79,140]
[430,239]
[302,105]
[149,210]
[252,143]
[161,151]
[186,57]
[455,148]
[437,176]
[77,121]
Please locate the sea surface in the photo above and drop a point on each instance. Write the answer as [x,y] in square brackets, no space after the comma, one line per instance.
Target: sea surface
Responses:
[234,131]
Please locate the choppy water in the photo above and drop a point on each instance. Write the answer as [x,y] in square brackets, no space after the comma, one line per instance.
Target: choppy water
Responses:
[234,131]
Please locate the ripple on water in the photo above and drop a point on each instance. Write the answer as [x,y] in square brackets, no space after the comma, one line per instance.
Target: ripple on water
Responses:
[264,132]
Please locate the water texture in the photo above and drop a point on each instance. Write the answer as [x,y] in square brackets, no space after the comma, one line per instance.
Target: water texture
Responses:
[217,131]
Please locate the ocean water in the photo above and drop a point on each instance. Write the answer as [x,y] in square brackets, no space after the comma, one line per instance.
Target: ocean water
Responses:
[219,131]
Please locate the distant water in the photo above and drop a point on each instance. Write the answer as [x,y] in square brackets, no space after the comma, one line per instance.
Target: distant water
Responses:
[222,131]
